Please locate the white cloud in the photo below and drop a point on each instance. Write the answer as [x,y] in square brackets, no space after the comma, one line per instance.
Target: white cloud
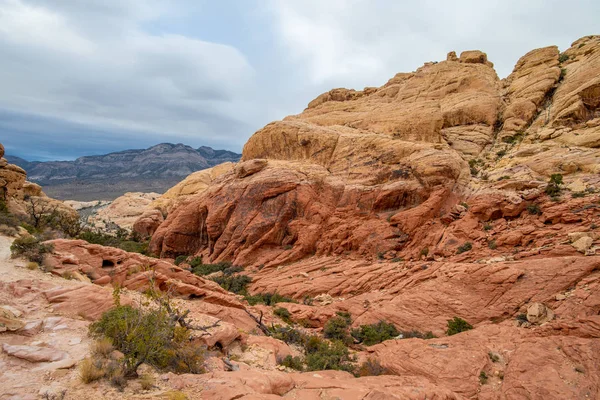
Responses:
[65,60]
[357,43]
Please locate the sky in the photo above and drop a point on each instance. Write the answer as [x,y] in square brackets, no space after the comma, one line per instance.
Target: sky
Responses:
[83,77]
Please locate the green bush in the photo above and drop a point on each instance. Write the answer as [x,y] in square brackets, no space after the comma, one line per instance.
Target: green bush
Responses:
[292,362]
[288,334]
[180,259]
[31,248]
[337,328]
[120,241]
[324,355]
[553,188]
[269,299]
[201,269]
[375,333]
[234,283]
[534,209]
[457,325]
[148,336]
[284,314]
[464,248]
[563,57]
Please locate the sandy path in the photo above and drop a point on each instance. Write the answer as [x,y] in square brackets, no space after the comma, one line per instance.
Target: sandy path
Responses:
[14,269]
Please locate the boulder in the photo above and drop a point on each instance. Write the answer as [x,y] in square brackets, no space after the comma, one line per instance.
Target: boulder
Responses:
[539,313]
[34,354]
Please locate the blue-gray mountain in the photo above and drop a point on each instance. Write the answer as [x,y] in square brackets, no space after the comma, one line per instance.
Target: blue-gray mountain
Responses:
[108,176]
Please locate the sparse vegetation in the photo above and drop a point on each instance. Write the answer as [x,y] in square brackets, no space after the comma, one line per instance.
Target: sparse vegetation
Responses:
[284,314]
[121,240]
[492,244]
[269,299]
[534,209]
[483,378]
[322,355]
[292,362]
[553,188]
[424,252]
[371,367]
[467,246]
[147,382]
[457,325]
[337,328]
[494,357]
[151,337]
[487,227]
[90,371]
[563,73]
[577,195]
[517,137]
[180,259]
[417,334]
[503,178]
[500,153]
[234,283]
[563,57]
[31,248]
[375,333]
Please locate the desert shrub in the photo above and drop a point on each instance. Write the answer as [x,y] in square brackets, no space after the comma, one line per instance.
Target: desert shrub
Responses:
[371,367]
[492,244]
[577,195]
[417,334]
[500,153]
[32,266]
[180,259]
[148,336]
[563,57]
[119,241]
[147,381]
[328,355]
[31,248]
[553,188]
[534,209]
[487,227]
[397,259]
[288,334]
[3,206]
[234,283]
[90,371]
[563,73]
[494,357]
[102,347]
[292,362]
[283,313]
[375,333]
[424,251]
[269,299]
[521,318]
[504,178]
[195,261]
[457,325]
[464,248]
[175,395]
[483,378]
[201,269]
[117,379]
[337,328]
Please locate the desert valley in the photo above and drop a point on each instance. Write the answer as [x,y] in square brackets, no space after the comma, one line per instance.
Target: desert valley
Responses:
[437,237]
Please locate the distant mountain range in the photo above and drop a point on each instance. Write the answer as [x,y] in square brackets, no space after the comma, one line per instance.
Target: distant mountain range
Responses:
[108,176]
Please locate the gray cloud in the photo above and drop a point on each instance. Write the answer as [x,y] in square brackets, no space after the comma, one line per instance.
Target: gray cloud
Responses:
[82,77]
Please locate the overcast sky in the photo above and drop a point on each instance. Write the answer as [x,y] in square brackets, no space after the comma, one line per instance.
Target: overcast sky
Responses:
[81,77]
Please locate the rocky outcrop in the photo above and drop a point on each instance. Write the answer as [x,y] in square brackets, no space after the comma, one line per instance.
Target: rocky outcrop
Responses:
[19,194]
[121,213]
